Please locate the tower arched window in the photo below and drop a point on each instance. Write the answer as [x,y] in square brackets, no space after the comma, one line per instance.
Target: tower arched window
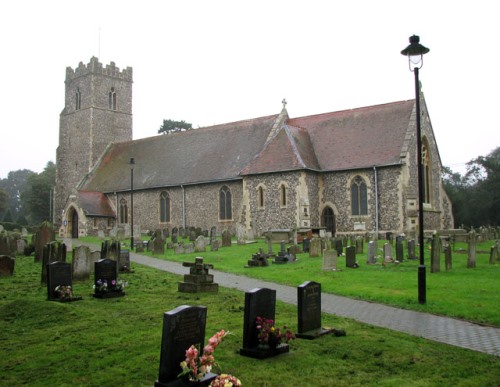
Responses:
[260,197]
[112,99]
[427,171]
[123,211]
[359,197]
[78,99]
[283,196]
[164,207]
[225,212]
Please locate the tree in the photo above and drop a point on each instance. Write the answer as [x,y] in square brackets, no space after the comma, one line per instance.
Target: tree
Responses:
[171,126]
[14,184]
[4,202]
[36,197]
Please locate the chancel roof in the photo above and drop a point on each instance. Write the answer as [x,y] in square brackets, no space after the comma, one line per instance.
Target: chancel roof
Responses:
[95,204]
[349,139]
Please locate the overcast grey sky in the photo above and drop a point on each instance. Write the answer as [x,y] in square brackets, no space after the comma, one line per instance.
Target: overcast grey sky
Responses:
[209,62]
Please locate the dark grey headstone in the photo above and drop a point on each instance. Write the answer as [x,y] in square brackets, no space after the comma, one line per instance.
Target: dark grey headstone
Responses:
[259,302]
[58,274]
[7,264]
[106,270]
[350,256]
[309,311]
[182,327]
[399,250]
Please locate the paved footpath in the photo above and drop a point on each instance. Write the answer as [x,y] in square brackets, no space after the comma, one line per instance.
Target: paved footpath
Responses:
[442,329]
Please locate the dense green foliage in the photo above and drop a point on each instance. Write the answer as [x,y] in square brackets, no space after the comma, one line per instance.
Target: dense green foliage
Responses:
[36,197]
[171,126]
[116,342]
[476,195]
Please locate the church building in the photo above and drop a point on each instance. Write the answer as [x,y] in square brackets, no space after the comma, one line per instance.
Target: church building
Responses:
[351,171]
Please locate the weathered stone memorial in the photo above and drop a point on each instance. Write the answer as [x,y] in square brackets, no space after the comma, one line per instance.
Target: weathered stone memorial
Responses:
[200,245]
[258,259]
[411,249]
[124,261]
[7,264]
[106,283]
[372,253]
[259,302]
[60,283]
[309,311]
[435,254]
[283,256]
[45,234]
[182,327]
[447,257]
[388,252]
[315,248]
[471,258]
[52,252]
[329,262]
[198,280]
[399,250]
[81,262]
[226,238]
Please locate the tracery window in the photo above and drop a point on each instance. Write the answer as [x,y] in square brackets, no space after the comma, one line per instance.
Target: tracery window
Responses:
[123,211]
[164,207]
[283,196]
[260,197]
[78,99]
[359,197]
[112,99]
[225,212]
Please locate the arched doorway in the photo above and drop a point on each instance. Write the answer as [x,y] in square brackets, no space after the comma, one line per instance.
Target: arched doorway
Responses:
[328,220]
[74,224]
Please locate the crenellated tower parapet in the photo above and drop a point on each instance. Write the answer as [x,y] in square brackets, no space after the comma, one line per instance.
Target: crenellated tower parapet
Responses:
[96,67]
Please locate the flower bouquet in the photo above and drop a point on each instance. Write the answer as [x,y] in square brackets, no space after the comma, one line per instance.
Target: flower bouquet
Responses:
[271,335]
[225,380]
[64,293]
[195,367]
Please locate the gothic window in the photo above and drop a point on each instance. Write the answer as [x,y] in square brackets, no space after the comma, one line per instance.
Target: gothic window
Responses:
[359,199]
[123,211]
[260,197]
[427,171]
[112,99]
[283,198]
[78,99]
[225,204]
[164,207]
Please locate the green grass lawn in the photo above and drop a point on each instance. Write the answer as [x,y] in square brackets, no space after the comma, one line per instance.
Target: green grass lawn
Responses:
[470,294]
[116,342]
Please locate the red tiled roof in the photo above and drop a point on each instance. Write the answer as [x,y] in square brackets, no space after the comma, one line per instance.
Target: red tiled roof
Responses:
[95,204]
[349,139]
[358,138]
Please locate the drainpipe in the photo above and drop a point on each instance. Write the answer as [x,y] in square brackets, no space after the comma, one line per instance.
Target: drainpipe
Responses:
[117,209]
[376,199]
[183,207]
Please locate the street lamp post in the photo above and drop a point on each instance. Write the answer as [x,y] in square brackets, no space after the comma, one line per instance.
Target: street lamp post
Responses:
[415,53]
[132,162]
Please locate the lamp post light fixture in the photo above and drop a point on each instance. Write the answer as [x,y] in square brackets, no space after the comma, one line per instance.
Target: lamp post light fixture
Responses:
[415,53]
[132,163]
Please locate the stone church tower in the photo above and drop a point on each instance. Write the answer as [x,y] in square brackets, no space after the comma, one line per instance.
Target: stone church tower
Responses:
[97,112]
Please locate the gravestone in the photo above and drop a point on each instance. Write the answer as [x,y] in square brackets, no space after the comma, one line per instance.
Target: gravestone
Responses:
[124,261]
[45,234]
[411,249]
[259,302]
[350,257]
[241,234]
[399,250]
[95,255]
[329,262]
[200,245]
[359,245]
[309,311]
[338,245]
[435,254]
[315,248]
[81,263]
[105,272]
[215,244]
[139,247]
[179,248]
[372,253]
[387,252]
[158,243]
[100,234]
[283,256]
[293,250]
[6,245]
[258,259]
[188,248]
[59,274]
[182,327]
[192,235]
[493,254]
[21,245]
[166,233]
[7,264]
[198,280]
[447,257]
[306,245]
[53,251]
[226,238]
[174,237]
[471,259]
[213,234]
